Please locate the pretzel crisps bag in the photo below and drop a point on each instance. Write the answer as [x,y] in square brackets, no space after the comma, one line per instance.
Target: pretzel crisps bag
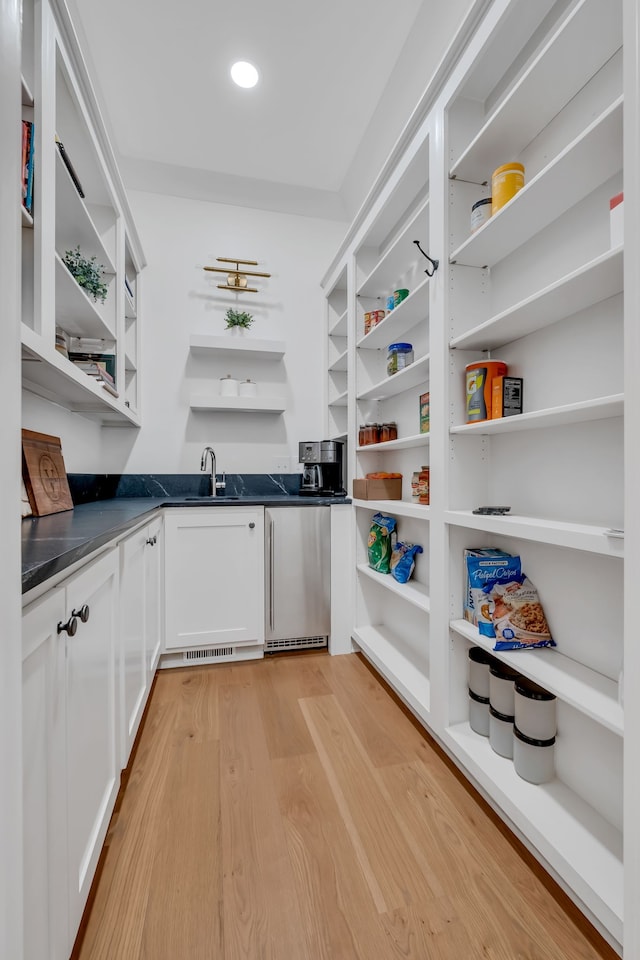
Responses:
[518,618]
[484,573]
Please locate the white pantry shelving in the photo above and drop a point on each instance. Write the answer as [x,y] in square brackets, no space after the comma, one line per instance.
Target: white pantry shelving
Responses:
[239,404]
[541,283]
[244,347]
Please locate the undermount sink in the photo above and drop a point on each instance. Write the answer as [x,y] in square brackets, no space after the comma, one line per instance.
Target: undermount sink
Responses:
[222,496]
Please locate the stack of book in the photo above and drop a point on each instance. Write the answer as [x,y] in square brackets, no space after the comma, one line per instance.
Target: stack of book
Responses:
[98,370]
[27,165]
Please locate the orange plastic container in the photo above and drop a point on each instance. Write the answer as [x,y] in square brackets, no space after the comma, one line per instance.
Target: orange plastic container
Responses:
[505,183]
[479,382]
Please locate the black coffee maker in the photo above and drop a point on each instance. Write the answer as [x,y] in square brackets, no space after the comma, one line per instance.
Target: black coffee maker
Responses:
[321,468]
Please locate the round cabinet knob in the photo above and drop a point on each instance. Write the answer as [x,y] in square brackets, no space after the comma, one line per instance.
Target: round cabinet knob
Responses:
[251,525]
[83,613]
[70,626]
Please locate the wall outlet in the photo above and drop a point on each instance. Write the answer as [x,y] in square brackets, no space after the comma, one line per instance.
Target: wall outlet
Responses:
[281,465]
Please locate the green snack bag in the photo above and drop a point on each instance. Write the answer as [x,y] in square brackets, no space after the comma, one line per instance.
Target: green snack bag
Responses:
[380,542]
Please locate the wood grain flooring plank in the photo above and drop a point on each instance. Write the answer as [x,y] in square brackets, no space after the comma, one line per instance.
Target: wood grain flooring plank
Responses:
[370,711]
[183,916]
[393,867]
[260,909]
[431,931]
[197,717]
[283,724]
[115,924]
[335,899]
[303,671]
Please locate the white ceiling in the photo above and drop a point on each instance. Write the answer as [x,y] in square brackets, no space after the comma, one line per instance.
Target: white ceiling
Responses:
[162,74]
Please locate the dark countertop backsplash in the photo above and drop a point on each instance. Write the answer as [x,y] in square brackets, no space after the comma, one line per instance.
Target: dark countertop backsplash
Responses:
[89,487]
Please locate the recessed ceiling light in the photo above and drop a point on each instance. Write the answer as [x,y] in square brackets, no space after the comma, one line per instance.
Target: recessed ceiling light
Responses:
[244,74]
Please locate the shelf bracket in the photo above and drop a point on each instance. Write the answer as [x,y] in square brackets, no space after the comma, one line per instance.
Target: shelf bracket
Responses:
[434,263]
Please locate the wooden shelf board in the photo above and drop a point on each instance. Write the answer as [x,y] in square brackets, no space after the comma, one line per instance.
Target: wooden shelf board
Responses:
[239,404]
[75,312]
[544,89]
[50,375]
[379,645]
[580,845]
[74,224]
[595,281]
[340,401]
[339,328]
[397,259]
[416,373]
[401,319]
[237,347]
[339,365]
[402,443]
[591,159]
[399,508]
[584,411]
[589,692]
[413,592]
[574,536]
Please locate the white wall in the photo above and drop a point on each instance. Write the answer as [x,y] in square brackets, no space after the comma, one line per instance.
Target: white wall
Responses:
[433,31]
[179,237]
[81,438]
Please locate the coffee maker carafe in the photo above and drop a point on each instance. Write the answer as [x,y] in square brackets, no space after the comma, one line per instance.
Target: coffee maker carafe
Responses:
[321,468]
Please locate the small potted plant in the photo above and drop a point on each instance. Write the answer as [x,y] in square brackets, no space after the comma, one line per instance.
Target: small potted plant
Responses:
[237,320]
[87,273]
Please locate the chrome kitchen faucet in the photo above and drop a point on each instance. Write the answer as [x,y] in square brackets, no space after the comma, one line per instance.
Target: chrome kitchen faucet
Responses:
[215,484]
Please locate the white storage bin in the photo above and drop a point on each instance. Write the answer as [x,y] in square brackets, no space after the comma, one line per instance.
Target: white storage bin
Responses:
[479,713]
[501,733]
[479,662]
[501,692]
[533,759]
[535,710]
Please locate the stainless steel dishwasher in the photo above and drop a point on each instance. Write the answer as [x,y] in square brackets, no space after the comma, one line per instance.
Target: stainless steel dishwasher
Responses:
[297,570]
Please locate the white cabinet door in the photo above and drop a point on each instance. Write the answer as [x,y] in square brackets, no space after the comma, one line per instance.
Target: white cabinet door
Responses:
[214,577]
[93,772]
[46,930]
[132,650]
[152,597]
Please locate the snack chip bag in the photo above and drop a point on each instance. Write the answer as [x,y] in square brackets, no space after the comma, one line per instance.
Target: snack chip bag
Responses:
[518,618]
[380,542]
[403,560]
[484,573]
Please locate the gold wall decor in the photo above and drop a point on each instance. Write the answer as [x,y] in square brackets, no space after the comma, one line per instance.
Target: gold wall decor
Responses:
[237,278]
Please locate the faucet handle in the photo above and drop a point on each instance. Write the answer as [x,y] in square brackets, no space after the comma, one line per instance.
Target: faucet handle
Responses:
[221,484]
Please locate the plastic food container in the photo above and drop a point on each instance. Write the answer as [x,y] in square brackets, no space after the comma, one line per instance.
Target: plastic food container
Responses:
[247,388]
[480,213]
[399,356]
[535,710]
[501,688]
[533,759]
[501,733]
[479,661]
[505,183]
[479,713]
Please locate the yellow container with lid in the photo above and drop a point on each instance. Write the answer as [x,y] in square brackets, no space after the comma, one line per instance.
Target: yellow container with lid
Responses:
[505,183]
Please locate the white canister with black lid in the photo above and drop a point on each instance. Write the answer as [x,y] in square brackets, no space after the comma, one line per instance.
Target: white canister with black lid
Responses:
[501,692]
[479,713]
[501,733]
[534,710]
[479,662]
[533,759]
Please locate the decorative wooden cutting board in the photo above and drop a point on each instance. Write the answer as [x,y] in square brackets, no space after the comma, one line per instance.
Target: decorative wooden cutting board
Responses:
[44,474]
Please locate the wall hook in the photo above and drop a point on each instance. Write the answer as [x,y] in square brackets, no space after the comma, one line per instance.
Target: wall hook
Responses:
[435,263]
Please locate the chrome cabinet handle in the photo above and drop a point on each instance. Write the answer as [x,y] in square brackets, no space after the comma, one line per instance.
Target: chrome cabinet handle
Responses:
[70,626]
[83,612]
[271,574]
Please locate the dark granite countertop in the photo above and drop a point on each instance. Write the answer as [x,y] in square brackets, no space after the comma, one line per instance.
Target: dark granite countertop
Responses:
[51,544]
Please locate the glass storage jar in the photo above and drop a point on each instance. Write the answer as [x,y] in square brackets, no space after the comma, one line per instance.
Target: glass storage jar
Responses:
[388,431]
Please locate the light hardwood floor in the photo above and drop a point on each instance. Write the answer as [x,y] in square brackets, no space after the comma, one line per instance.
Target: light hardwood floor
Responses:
[290,809]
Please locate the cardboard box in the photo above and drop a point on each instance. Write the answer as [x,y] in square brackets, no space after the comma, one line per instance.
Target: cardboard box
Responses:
[424,413]
[377,489]
[506,397]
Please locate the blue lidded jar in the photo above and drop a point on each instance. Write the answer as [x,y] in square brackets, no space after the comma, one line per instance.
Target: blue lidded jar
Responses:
[399,356]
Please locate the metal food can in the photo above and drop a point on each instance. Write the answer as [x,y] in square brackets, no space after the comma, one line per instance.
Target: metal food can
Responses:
[479,383]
